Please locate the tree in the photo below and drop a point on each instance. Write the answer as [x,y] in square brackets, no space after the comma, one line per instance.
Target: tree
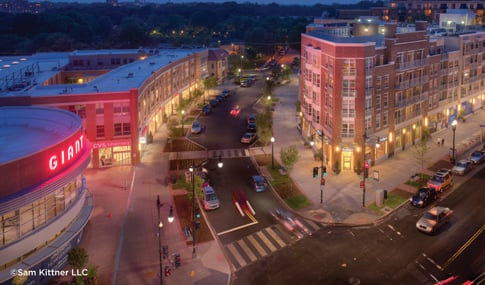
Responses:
[289,156]
[420,152]
[209,83]
[77,257]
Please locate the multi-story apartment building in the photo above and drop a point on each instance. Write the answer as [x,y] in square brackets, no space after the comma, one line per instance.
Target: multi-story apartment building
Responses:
[373,95]
[404,10]
[121,95]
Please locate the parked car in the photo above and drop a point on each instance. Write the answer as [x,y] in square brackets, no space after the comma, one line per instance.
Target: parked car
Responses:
[245,83]
[477,157]
[210,200]
[219,98]
[258,183]
[196,127]
[206,109]
[433,219]
[213,102]
[252,119]
[423,197]
[248,138]
[462,167]
[439,182]
[226,93]
[251,128]
[443,171]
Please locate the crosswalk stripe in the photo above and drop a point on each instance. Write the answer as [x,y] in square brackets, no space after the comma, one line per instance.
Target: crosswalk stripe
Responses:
[266,241]
[232,249]
[247,250]
[256,245]
[314,226]
[275,237]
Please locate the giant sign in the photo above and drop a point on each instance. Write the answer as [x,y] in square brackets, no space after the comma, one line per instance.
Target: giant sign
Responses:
[71,149]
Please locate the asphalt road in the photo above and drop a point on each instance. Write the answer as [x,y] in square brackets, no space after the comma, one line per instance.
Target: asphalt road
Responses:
[220,129]
[393,252]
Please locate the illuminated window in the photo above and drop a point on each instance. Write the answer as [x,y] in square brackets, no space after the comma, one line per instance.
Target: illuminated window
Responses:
[100,131]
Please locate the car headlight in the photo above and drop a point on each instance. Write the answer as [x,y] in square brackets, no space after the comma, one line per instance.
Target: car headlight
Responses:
[420,202]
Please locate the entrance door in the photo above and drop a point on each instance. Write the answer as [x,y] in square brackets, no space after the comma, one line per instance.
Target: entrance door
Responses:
[346,160]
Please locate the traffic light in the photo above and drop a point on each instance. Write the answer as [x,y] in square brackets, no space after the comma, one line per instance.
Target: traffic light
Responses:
[322,181]
[315,172]
[366,170]
[197,225]
[177,259]
[324,171]
[168,272]
[197,213]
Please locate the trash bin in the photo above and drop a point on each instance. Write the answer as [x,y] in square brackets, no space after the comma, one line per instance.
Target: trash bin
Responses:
[379,197]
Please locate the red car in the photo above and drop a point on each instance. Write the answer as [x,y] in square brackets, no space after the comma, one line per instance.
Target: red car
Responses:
[241,202]
[235,111]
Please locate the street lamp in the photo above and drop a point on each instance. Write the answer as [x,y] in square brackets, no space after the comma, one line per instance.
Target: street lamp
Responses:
[192,170]
[453,126]
[272,152]
[322,181]
[160,226]
[242,56]
[219,162]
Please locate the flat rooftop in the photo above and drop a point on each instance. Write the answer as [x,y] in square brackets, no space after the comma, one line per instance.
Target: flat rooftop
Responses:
[41,67]
[27,130]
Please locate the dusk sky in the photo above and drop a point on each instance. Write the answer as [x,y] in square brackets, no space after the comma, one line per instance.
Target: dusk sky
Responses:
[280,2]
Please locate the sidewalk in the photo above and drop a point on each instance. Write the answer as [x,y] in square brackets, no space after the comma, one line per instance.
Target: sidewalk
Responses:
[342,195]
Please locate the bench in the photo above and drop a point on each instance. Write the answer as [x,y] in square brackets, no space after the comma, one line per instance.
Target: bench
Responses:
[188,234]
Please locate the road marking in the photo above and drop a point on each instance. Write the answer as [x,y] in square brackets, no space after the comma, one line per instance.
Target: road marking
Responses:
[462,248]
[256,245]
[312,225]
[266,241]
[432,261]
[232,249]
[275,237]
[237,228]
[247,250]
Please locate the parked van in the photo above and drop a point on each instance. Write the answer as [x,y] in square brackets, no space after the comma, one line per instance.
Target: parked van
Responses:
[210,200]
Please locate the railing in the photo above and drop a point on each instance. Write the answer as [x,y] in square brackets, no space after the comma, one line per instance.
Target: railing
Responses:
[410,101]
[411,64]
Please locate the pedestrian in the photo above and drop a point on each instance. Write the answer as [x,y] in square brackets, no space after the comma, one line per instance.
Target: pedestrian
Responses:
[442,142]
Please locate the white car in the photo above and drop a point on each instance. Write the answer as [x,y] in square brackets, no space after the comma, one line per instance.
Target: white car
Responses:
[433,219]
[196,128]
[462,167]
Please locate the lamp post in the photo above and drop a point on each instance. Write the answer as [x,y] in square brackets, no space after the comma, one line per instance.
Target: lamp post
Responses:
[363,174]
[219,162]
[453,126]
[192,170]
[322,179]
[160,226]
[242,56]
[272,152]
[183,117]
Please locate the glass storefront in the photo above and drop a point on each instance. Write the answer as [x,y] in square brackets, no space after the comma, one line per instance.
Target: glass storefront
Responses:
[16,224]
[113,156]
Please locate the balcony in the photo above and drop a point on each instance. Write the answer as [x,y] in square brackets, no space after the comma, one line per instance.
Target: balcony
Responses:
[410,101]
[412,83]
[411,64]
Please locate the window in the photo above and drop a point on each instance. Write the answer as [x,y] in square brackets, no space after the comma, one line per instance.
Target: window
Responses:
[122,129]
[385,81]
[384,119]
[385,100]
[100,131]
[99,109]
[378,122]
[378,102]
[378,83]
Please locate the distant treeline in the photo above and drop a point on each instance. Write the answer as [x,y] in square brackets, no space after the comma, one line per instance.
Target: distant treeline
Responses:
[69,27]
